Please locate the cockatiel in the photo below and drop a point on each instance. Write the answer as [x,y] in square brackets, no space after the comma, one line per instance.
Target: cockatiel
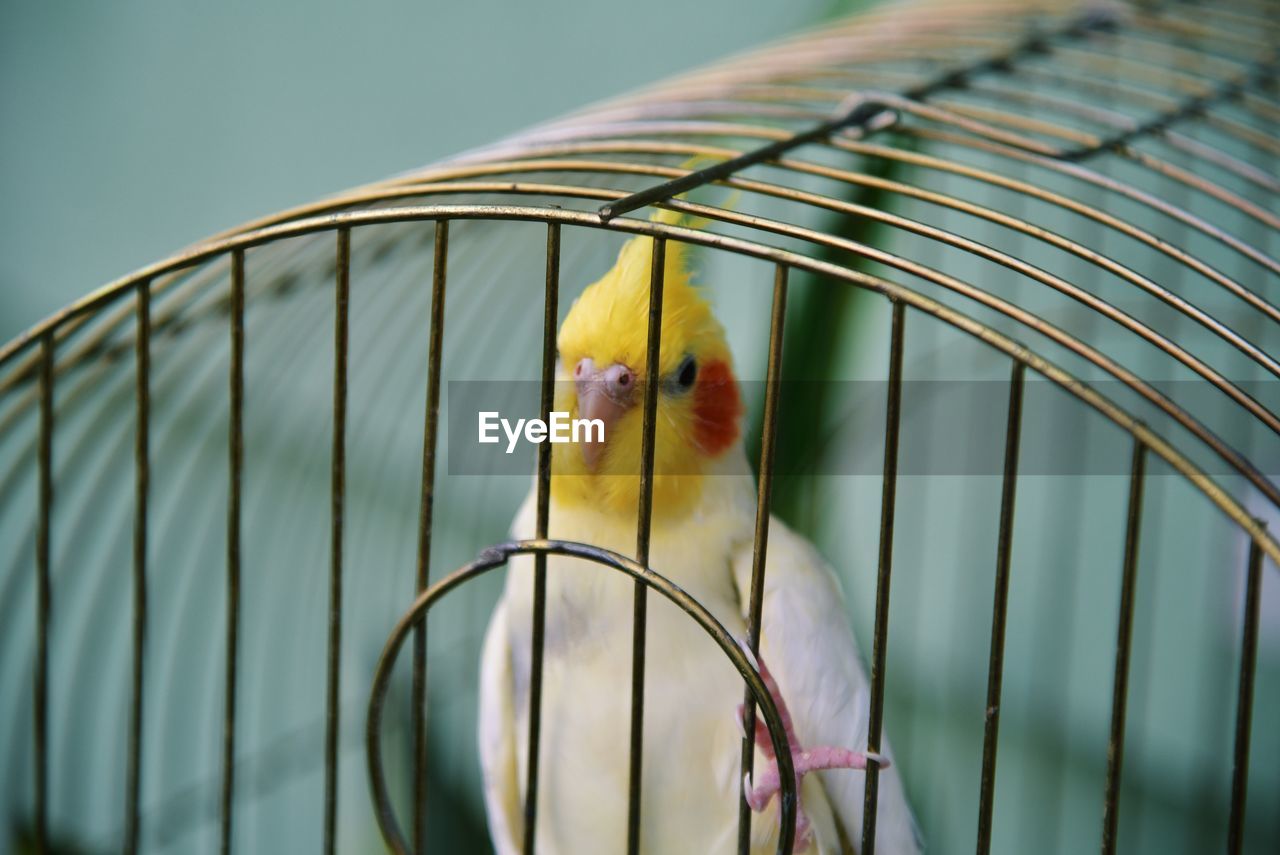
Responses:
[702,532]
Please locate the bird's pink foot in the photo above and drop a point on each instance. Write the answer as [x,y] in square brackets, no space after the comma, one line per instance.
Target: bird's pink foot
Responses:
[767,782]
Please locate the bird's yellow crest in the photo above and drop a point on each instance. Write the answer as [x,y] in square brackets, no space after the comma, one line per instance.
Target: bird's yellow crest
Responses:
[698,403]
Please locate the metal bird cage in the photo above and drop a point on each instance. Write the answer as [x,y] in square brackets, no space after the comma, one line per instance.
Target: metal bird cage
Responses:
[1059,221]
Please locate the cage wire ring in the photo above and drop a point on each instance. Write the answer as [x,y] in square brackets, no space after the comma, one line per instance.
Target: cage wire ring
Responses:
[498,556]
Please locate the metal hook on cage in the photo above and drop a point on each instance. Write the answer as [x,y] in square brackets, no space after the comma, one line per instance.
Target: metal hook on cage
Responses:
[867,109]
[866,113]
[861,111]
[497,556]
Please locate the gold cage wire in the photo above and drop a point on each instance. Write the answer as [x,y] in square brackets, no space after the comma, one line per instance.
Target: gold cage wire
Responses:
[1111,115]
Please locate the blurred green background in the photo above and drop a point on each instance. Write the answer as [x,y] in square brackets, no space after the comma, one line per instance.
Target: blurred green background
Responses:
[132,129]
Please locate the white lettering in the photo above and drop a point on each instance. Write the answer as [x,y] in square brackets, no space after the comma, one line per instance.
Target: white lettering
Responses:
[560,428]
[512,434]
[488,424]
[587,426]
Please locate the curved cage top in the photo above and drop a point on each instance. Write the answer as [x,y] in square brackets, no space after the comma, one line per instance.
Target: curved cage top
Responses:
[1084,196]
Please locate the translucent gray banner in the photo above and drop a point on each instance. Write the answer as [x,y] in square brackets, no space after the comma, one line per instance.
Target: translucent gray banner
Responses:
[947,427]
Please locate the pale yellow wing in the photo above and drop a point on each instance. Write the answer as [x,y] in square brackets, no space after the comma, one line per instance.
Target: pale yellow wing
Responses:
[497,735]
[808,645]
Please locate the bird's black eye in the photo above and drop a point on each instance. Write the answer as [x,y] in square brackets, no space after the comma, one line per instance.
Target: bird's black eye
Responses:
[687,373]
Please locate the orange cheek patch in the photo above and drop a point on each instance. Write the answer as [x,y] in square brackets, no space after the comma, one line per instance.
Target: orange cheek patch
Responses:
[717,408]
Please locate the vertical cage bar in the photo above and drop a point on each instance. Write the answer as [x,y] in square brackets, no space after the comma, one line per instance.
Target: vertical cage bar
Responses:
[425,508]
[888,497]
[1000,607]
[142,482]
[550,313]
[645,513]
[764,499]
[235,465]
[43,594]
[1244,701]
[1124,635]
[338,491]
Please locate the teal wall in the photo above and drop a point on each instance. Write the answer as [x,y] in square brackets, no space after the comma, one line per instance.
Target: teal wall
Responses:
[134,128]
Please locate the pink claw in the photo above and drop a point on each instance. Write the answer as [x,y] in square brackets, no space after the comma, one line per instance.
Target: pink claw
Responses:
[768,783]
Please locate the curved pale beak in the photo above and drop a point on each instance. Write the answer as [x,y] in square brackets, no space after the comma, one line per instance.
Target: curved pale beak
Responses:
[603,394]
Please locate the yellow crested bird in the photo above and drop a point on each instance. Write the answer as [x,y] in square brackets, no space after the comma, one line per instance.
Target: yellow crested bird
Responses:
[702,532]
